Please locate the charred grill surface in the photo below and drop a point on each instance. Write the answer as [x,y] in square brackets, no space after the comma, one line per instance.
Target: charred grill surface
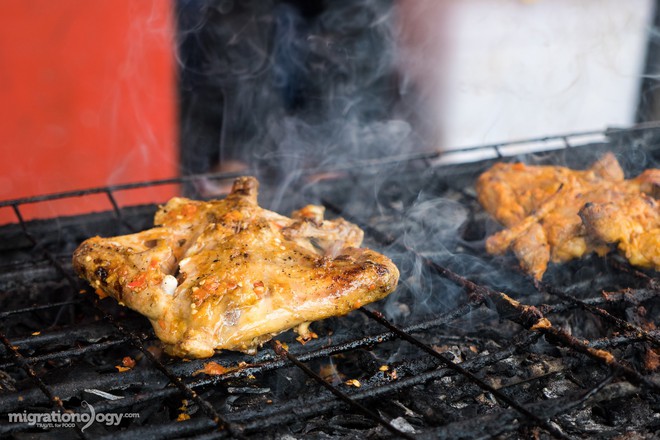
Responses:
[467,347]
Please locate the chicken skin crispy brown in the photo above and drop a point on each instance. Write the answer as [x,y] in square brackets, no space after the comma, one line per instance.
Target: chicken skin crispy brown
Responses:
[540,208]
[228,274]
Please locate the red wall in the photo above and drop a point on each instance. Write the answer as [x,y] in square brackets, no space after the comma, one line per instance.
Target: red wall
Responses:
[87,98]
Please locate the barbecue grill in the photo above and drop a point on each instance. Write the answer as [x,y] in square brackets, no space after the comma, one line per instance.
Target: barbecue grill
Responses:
[467,347]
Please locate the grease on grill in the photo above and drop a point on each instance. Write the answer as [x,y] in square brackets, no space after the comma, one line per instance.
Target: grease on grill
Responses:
[212,369]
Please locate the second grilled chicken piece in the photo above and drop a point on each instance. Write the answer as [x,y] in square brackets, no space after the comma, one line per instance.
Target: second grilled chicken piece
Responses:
[229,274]
[633,222]
[539,205]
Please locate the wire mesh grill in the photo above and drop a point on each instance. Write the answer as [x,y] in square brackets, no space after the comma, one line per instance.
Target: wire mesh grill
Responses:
[467,347]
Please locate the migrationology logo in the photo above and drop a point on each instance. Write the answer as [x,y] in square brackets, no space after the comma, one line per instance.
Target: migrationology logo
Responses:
[57,419]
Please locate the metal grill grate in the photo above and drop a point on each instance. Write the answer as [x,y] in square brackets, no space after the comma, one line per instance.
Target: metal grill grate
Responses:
[463,359]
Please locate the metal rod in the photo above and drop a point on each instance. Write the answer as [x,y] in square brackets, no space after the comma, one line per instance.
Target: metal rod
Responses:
[279,349]
[120,187]
[276,363]
[492,425]
[262,418]
[39,307]
[117,211]
[618,322]
[357,165]
[478,381]
[529,317]
[20,361]
[98,346]
[632,296]
[207,408]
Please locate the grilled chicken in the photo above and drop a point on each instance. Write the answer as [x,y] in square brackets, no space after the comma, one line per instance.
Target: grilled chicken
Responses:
[633,222]
[540,207]
[228,274]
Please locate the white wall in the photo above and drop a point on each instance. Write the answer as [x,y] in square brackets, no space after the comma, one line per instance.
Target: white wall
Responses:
[497,70]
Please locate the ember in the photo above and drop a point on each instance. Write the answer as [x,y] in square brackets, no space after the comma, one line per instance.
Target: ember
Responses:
[212,369]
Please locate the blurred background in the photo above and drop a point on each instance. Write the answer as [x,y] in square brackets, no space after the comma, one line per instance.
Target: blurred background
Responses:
[104,92]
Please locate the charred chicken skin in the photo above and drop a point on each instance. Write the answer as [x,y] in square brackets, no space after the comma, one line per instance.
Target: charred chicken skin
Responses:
[540,206]
[228,274]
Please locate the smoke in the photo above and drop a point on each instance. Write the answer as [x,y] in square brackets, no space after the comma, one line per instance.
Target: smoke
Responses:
[286,85]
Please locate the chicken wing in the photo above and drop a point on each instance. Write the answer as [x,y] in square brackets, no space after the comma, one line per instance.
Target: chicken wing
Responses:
[228,274]
[539,205]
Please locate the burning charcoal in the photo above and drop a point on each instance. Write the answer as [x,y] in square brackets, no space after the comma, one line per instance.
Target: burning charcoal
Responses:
[652,359]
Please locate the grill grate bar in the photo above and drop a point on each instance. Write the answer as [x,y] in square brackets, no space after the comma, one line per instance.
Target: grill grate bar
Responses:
[270,416]
[462,371]
[193,427]
[529,317]
[586,396]
[394,386]
[98,346]
[34,397]
[91,333]
[20,362]
[620,323]
[277,363]
[206,407]
[632,296]
[614,341]
[117,211]
[380,162]
[279,349]
[40,307]
[651,283]
[120,187]
[493,425]
[113,202]
[49,256]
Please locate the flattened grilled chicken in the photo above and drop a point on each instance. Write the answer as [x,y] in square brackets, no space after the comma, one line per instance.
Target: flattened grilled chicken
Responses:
[539,205]
[227,274]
